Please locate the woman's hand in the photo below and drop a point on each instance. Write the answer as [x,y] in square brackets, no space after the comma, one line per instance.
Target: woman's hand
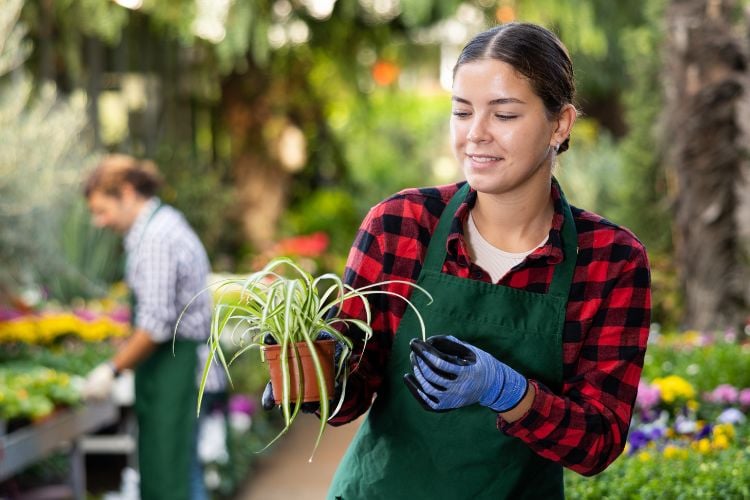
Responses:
[448,373]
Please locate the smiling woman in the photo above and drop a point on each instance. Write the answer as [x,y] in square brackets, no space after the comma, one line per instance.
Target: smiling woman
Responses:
[535,349]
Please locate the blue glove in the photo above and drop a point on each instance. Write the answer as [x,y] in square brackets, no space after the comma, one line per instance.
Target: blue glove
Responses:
[448,373]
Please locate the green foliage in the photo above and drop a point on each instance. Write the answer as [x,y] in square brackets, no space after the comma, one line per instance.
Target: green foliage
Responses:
[40,162]
[392,142]
[643,197]
[65,355]
[706,363]
[86,261]
[719,475]
[590,31]
[197,188]
[591,169]
[330,210]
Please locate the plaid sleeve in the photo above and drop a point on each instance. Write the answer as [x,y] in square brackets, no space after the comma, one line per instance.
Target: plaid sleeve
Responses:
[367,363]
[585,428]
[155,291]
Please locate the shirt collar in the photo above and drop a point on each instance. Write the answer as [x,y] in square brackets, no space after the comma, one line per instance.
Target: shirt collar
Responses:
[135,233]
[552,251]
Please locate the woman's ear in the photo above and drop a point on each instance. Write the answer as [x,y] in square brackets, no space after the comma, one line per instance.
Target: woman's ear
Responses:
[564,123]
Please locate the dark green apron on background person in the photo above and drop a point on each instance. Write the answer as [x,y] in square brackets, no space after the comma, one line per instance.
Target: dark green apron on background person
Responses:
[402,451]
[165,402]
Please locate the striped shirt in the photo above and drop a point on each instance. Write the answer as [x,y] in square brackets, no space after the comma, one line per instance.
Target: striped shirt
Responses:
[604,337]
[167,267]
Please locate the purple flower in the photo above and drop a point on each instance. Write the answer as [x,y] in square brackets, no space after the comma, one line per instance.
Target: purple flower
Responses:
[705,431]
[731,416]
[724,394]
[648,396]
[239,403]
[638,439]
[641,436]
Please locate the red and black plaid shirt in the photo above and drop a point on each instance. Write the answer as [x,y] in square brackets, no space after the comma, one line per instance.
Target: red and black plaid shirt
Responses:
[604,337]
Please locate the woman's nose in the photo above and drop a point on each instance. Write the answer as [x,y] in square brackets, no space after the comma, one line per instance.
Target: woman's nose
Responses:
[477,132]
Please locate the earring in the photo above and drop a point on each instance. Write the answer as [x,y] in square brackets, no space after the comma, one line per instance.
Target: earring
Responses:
[555,146]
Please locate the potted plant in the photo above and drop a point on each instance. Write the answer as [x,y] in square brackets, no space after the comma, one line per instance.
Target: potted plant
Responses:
[282,310]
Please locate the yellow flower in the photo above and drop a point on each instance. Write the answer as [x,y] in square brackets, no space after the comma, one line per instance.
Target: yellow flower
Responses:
[720,442]
[693,405]
[702,445]
[671,451]
[46,328]
[644,456]
[725,430]
[673,388]
[691,337]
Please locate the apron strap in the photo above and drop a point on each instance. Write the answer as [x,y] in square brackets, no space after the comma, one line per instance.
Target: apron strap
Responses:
[564,271]
[436,253]
[563,276]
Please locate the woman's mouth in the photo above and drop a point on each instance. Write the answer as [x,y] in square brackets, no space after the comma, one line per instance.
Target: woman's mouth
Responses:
[483,159]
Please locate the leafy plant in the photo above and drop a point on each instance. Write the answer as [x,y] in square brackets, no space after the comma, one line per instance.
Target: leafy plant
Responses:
[292,308]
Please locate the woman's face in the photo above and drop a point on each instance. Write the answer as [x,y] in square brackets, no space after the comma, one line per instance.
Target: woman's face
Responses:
[500,132]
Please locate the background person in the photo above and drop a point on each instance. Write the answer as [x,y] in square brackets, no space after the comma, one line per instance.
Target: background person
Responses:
[541,310]
[166,266]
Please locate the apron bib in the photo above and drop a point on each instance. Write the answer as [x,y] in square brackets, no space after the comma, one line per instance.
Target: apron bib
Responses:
[402,451]
[165,401]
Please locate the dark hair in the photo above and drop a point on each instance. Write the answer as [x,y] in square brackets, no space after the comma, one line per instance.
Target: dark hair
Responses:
[536,53]
[115,170]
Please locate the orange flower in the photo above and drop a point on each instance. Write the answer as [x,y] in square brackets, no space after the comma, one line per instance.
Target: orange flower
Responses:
[385,72]
[505,14]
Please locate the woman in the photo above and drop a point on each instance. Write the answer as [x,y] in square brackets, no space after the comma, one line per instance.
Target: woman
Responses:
[540,311]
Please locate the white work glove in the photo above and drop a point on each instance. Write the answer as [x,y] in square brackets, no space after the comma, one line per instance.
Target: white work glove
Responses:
[99,382]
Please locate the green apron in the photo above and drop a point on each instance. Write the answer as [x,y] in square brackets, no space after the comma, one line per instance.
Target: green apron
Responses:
[403,451]
[165,402]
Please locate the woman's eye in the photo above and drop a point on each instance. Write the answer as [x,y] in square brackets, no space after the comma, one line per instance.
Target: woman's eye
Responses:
[505,117]
[461,114]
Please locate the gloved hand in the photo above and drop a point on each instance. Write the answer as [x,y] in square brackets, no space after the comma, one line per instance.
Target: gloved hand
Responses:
[99,382]
[448,373]
[267,400]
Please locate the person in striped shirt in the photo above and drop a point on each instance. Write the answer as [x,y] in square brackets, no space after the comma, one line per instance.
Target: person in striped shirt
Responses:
[166,268]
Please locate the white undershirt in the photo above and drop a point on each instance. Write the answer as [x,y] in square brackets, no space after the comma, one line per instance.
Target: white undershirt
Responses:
[493,260]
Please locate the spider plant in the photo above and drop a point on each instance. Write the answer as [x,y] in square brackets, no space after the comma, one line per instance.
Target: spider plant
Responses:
[285,302]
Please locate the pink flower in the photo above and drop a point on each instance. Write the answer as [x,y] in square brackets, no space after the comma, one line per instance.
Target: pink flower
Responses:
[239,403]
[724,394]
[648,396]
[744,397]
[85,314]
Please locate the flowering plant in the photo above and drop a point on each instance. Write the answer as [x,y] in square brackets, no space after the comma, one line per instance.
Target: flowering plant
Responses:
[90,321]
[673,414]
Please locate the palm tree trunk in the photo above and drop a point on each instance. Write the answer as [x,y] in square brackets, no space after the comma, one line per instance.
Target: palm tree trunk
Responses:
[704,87]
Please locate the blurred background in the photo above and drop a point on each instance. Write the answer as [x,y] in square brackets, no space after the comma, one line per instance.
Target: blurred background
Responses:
[278,123]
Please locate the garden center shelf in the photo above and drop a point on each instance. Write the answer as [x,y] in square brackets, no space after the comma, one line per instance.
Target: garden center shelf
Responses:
[62,430]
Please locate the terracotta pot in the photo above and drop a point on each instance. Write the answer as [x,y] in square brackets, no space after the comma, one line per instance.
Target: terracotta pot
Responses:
[325,350]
